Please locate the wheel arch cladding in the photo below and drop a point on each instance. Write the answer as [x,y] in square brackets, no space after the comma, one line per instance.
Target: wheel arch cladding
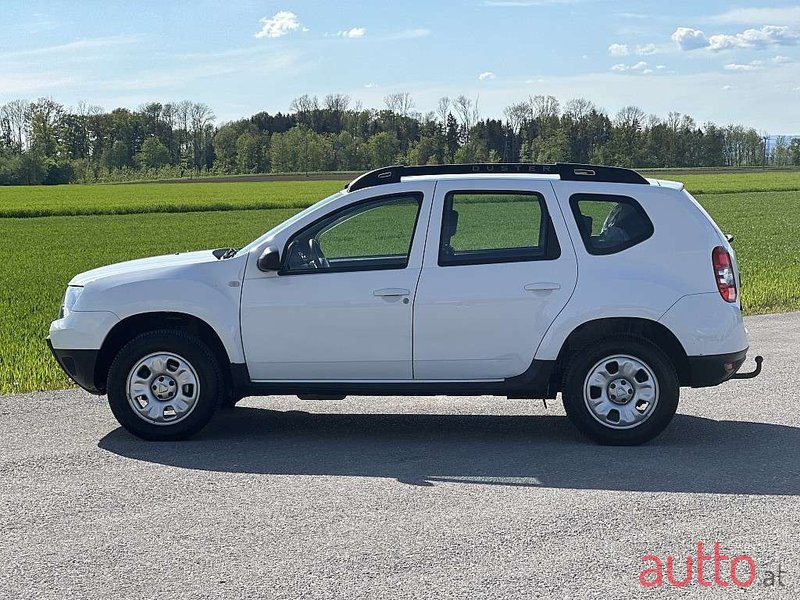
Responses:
[130,327]
[599,329]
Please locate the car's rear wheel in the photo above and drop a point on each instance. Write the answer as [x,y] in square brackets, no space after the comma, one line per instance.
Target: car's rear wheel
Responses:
[621,391]
[164,385]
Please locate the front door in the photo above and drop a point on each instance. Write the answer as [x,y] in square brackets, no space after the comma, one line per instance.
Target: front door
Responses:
[341,306]
[498,268]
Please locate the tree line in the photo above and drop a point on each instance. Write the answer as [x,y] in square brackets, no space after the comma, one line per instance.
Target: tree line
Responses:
[45,142]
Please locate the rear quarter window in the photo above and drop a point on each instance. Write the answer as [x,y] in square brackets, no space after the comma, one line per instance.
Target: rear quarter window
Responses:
[608,223]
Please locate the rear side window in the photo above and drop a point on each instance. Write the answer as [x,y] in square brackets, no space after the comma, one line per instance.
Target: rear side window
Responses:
[610,224]
[481,227]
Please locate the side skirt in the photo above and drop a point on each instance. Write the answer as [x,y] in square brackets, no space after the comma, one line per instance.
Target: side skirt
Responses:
[533,383]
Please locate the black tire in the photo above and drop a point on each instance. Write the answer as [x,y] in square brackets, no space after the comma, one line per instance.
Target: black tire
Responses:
[229,400]
[578,369]
[201,359]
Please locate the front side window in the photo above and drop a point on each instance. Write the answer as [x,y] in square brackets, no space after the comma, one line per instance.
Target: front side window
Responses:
[375,234]
[495,226]
[610,224]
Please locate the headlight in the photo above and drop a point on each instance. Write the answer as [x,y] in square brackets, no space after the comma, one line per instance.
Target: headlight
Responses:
[70,298]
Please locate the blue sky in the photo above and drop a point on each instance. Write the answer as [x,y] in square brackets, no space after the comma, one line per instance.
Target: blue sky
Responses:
[724,61]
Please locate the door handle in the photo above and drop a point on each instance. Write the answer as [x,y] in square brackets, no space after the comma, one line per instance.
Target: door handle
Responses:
[392,292]
[542,286]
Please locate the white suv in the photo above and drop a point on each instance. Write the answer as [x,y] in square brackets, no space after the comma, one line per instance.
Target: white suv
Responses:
[513,280]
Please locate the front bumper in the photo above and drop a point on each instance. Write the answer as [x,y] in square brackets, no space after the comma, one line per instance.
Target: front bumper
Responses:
[80,366]
[706,371]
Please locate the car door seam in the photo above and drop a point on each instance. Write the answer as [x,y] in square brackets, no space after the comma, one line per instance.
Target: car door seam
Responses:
[575,262]
[419,277]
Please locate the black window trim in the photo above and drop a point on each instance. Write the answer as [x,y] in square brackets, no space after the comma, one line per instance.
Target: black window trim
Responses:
[552,248]
[574,199]
[414,195]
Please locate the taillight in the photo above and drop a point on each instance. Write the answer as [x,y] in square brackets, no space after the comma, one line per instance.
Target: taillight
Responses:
[723,273]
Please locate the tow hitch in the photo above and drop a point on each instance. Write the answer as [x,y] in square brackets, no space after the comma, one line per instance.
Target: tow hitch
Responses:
[753,373]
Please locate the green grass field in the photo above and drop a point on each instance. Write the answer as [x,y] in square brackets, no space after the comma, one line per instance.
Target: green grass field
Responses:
[727,183]
[41,201]
[40,255]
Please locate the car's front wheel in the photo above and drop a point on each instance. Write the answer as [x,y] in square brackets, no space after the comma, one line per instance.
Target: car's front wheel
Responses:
[622,391]
[164,385]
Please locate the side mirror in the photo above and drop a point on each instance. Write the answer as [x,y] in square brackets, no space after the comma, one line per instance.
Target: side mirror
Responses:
[269,260]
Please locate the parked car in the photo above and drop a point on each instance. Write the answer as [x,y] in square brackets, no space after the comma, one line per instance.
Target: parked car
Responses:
[515,280]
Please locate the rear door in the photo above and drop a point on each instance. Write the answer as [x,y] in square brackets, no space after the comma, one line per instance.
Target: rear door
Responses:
[498,267]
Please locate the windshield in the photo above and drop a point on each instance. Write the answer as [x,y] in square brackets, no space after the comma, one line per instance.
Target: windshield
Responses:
[288,222]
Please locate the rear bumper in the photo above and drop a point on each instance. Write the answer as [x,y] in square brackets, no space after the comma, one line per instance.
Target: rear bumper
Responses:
[705,371]
[79,366]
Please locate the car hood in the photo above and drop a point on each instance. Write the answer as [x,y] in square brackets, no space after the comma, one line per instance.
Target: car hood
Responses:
[143,265]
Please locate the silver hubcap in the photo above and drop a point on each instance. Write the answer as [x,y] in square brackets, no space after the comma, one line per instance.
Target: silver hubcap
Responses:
[621,392]
[163,388]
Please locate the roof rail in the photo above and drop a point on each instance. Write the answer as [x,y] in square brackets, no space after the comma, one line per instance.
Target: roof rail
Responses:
[567,172]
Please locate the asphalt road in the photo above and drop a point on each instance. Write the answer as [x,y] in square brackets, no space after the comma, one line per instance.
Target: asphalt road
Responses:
[401,498]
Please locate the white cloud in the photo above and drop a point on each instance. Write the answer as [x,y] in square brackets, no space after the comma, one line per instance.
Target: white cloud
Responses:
[660,67]
[625,50]
[740,67]
[619,50]
[727,87]
[689,39]
[279,24]
[369,86]
[789,15]
[355,32]
[639,67]
[769,35]
[757,65]
[486,75]
[646,49]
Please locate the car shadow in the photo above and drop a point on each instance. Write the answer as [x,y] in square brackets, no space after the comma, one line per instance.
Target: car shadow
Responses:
[694,455]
